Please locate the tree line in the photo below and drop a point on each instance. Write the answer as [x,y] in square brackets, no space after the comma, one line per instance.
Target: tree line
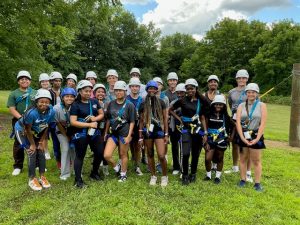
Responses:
[76,36]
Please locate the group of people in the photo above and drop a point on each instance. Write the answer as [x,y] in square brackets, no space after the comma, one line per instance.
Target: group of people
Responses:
[142,118]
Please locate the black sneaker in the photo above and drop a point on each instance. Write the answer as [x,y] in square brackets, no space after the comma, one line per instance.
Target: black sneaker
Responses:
[79,184]
[185,180]
[192,178]
[95,176]
[217,180]
[258,187]
[206,178]
[242,183]
[122,178]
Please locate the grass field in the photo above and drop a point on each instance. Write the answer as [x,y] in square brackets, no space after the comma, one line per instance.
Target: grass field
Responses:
[134,202]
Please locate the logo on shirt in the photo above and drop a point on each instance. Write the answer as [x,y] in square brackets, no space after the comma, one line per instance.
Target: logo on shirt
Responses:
[95,106]
[39,121]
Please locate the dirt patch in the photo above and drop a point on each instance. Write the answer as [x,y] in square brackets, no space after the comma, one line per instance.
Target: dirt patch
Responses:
[281,145]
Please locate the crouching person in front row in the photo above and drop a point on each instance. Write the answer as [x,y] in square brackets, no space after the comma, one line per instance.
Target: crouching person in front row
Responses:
[31,131]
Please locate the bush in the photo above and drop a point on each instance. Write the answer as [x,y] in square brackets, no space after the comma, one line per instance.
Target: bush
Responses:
[280,100]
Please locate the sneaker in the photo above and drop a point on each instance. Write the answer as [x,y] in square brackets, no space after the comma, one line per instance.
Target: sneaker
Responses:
[44,182]
[16,172]
[64,178]
[192,178]
[175,172]
[249,178]
[119,170]
[122,178]
[35,185]
[105,170]
[164,181]
[242,183]
[217,180]
[79,184]
[185,180]
[95,176]
[158,168]
[234,169]
[138,171]
[258,187]
[47,155]
[206,178]
[153,180]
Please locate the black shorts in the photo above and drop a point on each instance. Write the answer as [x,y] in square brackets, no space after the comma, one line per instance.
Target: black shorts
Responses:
[135,134]
[259,145]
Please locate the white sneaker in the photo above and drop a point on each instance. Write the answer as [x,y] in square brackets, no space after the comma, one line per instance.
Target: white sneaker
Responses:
[47,155]
[175,172]
[138,171]
[153,180]
[164,181]
[233,170]
[105,170]
[34,184]
[249,178]
[16,172]
[65,177]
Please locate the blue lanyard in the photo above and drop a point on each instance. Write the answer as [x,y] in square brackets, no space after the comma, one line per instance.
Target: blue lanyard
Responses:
[65,112]
[241,97]
[138,104]
[91,110]
[120,114]
[198,107]
[252,109]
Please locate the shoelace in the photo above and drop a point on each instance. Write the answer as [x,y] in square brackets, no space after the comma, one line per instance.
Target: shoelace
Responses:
[36,182]
[45,181]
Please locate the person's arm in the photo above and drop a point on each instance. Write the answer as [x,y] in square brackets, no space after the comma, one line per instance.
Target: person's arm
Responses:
[43,138]
[262,124]
[166,126]
[75,123]
[129,136]
[172,112]
[61,129]
[32,147]
[204,124]
[14,112]
[239,126]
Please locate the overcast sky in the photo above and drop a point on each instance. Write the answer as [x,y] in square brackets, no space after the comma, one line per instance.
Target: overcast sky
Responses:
[197,16]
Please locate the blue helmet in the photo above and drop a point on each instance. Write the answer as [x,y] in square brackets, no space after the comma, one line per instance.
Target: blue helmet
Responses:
[151,83]
[68,91]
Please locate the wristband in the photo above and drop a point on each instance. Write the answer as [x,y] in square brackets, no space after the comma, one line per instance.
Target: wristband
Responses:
[205,132]
[141,139]
[166,134]
[141,130]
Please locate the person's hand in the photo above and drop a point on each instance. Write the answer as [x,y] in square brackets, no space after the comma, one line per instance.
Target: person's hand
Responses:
[31,149]
[141,142]
[41,146]
[206,146]
[166,140]
[246,141]
[253,142]
[93,125]
[127,140]
[92,118]
[204,138]
[105,136]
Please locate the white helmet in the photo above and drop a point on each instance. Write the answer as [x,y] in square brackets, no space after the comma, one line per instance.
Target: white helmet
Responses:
[180,87]
[112,72]
[23,73]
[252,87]
[135,70]
[42,93]
[96,86]
[158,79]
[55,75]
[219,99]
[172,76]
[72,76]
[134,81]
[213,77]
[90,74]
[83,83]
[44,76]
[242,73]
[191,81]
[120,85]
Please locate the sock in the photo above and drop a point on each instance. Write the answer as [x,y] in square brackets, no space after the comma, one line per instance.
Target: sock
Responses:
[208,174]
[235,168]
[123,173]
[218,174]
[117,167]
[248,173]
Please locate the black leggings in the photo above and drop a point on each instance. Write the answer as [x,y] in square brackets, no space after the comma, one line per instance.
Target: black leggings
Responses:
[174,138]
[80,151]
[190,143]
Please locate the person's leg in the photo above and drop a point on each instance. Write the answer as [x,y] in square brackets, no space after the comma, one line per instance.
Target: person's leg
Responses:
[32,164]
[65,156]
[186,149]
[208,158]
[255,157]
[248,174]
[80,151]
[196,150]
[55,142]
[243,162]
[174,137]
[235,157]
[95,145]
[149,148]
[123,148]
[18,154]
[160,148]
[108,153]
[220,157]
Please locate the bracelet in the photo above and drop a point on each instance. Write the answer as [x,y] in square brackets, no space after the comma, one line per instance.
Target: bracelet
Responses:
[141,139]
[205,132]
[141,130]
[166,134]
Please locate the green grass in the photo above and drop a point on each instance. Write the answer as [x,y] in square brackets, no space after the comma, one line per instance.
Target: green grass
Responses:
[3,101]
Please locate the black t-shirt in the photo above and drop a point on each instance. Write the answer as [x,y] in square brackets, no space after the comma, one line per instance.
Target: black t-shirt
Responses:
[189,108]
[162,103]
[216,122]
[171,96]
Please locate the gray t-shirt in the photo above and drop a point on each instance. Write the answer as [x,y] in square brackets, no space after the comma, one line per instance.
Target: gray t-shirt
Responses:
[236,97]
[256,115]
[62,115]
[129,115]
[142,93]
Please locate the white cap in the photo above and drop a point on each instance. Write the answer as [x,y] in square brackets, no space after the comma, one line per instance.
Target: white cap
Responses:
[213,77]
[42,93]
[180,87]
[120,85]
[219,99]
[44,76]
[72,76]
[55,75]
[191,81]
[90,74]
[96,86]
[134,81]
[252,87]
[172,76]
[83,83]
[242,73]
[112,72]
[23,73]
[158,79]
[135,70]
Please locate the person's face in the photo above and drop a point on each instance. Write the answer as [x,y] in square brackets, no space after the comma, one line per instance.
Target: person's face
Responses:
[24,82]
[43,104]
[86,93]
[57,83]
[172,83]
[241,81]
[160,86]
[120,94]
[218,106]
[45,84]
[135,75]
[251,95]
[180,94]
[111,80]
[212,85]
[100,94]
[92,80]
[71,83]
[68,99]
[191,90]
[135,89]
[152,91]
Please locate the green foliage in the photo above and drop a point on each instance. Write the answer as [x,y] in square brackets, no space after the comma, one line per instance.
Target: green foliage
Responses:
[278,100]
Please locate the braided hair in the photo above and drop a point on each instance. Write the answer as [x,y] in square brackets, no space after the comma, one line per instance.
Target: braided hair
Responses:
[152,108]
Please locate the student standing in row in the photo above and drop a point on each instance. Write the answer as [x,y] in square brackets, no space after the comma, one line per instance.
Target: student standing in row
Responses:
[71,81]
[111,77]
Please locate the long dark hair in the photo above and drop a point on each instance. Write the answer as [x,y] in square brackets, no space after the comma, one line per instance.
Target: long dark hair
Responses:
[152,106]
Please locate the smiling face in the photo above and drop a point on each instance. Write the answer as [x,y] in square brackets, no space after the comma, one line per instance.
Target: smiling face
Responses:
[252,95]
[180,94]
[241,81]
[71,83]
[191,90]
[56,83]
[135,89]
[45,84]
[172,83]
[218,106]
[120,94]
[24,82]
[212,85]
[111,80]
[160,86]
[152,91]
[92,80]
[68,99]
[134,74]
[43,104]
[85,93]
[100,94]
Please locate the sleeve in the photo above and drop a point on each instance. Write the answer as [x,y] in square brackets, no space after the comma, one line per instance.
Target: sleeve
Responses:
[131,113]
[205,108]
[29,118]
[11,100]
[56,116]
[52,116]
[141,109]
[163,104]
[98,105]
[108,114]
[74,109]
[177,104]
